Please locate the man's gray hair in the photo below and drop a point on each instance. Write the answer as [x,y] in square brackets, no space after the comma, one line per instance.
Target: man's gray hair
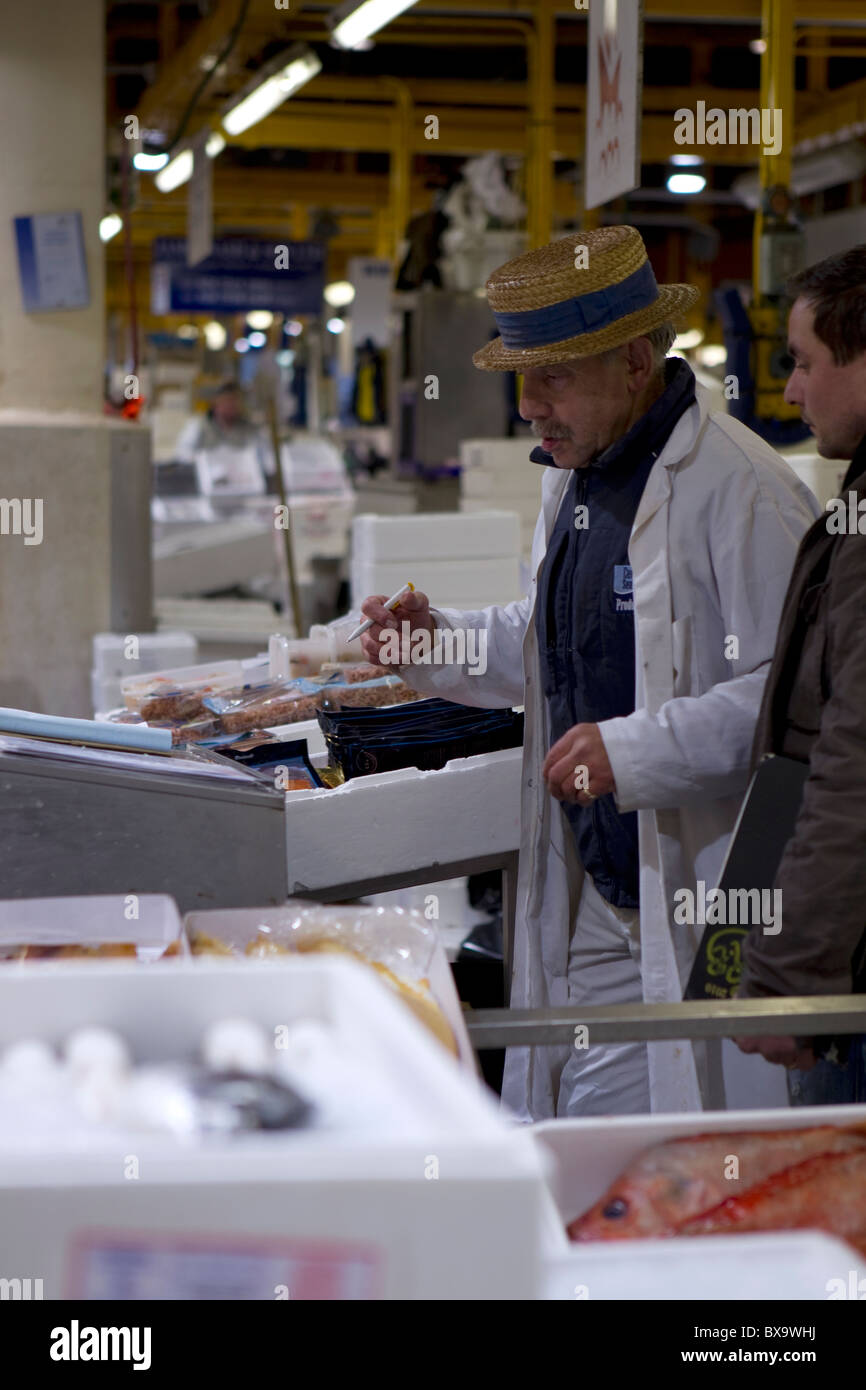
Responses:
[660,339]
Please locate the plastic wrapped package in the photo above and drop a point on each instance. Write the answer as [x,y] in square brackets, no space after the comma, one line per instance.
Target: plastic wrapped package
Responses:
[351,672]
[198,730]
[286,763]
[178,694]
[367,694]
[264,706]
[397,943]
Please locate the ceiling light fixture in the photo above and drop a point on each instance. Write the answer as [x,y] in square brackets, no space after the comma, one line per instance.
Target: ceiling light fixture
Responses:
[149,163]
[176,172]
[686,183]
[216,143]
[260,318]
[110,226]
[215,335]
[339,293]
[271,86]
[357,20]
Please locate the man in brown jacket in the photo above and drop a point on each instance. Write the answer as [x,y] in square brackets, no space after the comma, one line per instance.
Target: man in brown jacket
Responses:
[814,706]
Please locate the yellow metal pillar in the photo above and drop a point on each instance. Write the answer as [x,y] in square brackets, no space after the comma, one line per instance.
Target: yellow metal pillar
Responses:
[539,181]
[401,163]
[777,94]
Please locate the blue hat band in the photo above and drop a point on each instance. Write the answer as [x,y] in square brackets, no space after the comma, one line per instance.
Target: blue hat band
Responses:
[529,328]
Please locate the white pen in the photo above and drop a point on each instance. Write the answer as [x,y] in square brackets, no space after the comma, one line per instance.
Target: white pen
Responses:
[392,602]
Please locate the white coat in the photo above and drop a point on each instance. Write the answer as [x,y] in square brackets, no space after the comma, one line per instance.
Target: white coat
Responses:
[712,548]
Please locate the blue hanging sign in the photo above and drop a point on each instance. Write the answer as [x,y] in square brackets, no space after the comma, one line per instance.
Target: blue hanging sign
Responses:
[240,274]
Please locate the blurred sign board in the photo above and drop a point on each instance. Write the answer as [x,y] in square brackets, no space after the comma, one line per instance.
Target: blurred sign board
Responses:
[372,278]
[51,262]
[240,274]
[614,81]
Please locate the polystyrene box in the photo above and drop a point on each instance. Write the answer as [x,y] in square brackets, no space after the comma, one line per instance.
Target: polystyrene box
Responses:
[149,921]
[238,926]
[421,1192]
[438,535]
[590,1154]
[403,820]
[776,1266]
[445,582]
[156,651]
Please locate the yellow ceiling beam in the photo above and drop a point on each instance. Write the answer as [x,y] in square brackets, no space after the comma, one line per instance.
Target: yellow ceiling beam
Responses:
[311,125]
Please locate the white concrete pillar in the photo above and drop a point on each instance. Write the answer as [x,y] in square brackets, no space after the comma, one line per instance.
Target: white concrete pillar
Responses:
[87,478]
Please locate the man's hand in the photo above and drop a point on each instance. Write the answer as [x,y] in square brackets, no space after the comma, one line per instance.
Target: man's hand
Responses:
[414,610]
[577,764]
[783,1051]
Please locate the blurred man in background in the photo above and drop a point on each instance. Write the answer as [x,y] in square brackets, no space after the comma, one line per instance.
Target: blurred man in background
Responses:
[814,707]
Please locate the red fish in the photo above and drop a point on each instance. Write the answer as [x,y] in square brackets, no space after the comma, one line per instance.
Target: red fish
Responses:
[678,1181]
[825,1193]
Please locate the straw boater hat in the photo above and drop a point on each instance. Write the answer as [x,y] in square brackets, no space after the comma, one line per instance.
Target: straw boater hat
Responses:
[547,310]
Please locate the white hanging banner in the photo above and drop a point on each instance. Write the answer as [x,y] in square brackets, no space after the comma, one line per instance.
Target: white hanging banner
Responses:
[614,83]
[199,214]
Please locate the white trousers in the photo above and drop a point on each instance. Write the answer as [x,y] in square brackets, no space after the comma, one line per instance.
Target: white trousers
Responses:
[603,968]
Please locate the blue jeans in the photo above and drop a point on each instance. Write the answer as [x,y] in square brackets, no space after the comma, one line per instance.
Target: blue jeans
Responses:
[832,1083]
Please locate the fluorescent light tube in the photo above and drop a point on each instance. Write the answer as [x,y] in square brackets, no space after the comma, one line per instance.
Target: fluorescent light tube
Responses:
[271,91]
[176,172]
[110,226]
[149,163]
[365,19]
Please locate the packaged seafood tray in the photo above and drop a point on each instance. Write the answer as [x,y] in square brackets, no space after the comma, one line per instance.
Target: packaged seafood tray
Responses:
[178,694]
[144,926]
[404,1181]
[397,943]
[716,1177]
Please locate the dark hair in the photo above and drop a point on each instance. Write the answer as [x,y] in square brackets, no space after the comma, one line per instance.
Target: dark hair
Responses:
[836,290]
[227,388]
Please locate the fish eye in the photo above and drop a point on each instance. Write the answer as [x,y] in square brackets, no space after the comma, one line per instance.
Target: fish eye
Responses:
[615,1209]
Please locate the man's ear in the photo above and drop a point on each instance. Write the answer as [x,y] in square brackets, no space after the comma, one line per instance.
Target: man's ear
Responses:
[639,357]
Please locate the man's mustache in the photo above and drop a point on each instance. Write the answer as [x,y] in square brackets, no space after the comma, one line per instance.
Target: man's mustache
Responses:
[550,431]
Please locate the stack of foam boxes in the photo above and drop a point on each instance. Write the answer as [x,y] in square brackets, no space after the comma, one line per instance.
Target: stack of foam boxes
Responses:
[498,472]
[457,560]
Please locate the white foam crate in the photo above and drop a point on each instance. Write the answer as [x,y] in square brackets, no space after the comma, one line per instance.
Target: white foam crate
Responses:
[358,1204]
[150,921]
[157,650]
[435,535]
[446,582]
[238,926]
[590,1154]
[403,820]
[778,1265]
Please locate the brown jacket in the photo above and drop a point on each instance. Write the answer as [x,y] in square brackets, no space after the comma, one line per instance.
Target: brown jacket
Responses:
[814,710]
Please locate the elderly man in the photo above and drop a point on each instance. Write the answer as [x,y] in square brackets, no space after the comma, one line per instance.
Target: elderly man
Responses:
[814,707]
[660,560]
